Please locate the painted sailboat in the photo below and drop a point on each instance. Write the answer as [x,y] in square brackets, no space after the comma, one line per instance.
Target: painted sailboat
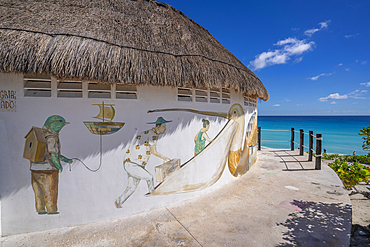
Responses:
[202,170]
[106,126]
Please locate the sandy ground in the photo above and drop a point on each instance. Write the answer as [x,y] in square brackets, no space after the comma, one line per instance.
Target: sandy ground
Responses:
[360,216]
[360,207]
[360,233]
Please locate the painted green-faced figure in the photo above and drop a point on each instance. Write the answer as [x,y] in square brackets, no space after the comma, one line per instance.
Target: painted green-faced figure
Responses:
[56,123]
[45,174]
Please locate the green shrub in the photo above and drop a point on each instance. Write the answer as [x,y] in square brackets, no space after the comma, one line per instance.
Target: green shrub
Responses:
[348,158]
[351,174]
[330,156]
[365,132]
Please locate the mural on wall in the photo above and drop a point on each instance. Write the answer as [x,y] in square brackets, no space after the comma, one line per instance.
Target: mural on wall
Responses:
[8,100]
[105,127]
[137,157]
[201,137]
[42,148]
[206,168]
[249,152]
[252,138]
[106,114]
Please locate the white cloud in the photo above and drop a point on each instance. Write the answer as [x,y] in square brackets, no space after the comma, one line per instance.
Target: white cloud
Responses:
[324,24]
[356,91]
[286,41]
[351,35]
[357,94]
[340,64]
[286,100]
[290,47]
[366,84]
[333,96]
[364,62]
[314,78]
[276,105]
[333,102]
[347,69]
[309,32]
[298,60]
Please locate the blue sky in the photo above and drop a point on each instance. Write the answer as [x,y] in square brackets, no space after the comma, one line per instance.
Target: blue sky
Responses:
[312,56]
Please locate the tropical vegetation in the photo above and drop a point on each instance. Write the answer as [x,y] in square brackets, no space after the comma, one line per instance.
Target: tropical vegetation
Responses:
[352,169]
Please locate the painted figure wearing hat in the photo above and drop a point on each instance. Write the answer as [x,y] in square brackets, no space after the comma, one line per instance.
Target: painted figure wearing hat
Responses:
[137,157]
[45,174]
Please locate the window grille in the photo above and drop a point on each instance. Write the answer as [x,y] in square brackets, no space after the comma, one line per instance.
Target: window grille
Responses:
[96,90]
[126,91]
[201,95]
[248,101]
[184,94]
[214,96]
[253,102]
[37,85]
[225,96]
[69,89]
[204,95]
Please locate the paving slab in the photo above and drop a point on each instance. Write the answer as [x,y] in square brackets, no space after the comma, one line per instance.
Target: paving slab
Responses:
[281,201]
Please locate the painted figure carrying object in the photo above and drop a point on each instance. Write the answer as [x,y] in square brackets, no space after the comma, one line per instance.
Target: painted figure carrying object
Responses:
[137,157]
[45,173]
[201,137]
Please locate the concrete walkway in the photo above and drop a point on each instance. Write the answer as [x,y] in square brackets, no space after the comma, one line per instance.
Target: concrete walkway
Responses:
[281,201]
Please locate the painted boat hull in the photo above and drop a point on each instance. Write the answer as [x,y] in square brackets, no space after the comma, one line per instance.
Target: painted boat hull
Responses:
[103,128]
[202,170]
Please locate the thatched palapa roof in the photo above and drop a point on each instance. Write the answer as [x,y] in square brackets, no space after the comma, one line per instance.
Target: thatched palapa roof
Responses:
[117,41]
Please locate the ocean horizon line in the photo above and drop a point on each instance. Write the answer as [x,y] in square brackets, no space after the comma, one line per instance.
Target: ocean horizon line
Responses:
[340,133]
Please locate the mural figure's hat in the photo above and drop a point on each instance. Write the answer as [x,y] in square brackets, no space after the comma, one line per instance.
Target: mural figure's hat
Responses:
[160,120]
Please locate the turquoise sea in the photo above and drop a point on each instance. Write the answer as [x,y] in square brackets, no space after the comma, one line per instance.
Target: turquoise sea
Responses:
[340,133]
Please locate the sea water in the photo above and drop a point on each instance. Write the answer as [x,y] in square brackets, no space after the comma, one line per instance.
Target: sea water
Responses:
[339,133]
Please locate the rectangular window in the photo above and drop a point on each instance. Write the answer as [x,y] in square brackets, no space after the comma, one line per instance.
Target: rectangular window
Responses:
[204,95]
[37,85]
[69,89]
[96,90]
[126,91]
[201,95]
[184,94]
[225,96]
[253,101]
[246,100]
[214,96]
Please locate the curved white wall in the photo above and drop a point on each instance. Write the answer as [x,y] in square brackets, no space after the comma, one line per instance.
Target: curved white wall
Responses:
[85,196]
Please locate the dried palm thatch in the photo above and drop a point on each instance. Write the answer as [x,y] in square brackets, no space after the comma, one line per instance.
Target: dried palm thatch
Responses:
[117,41]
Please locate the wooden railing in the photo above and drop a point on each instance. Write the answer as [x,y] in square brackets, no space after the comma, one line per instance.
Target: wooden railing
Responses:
[310,149]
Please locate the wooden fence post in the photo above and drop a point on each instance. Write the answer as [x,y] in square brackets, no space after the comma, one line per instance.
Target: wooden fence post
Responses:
[259,138]
[310,145]
[318,152]
[292,139]
[301,140]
